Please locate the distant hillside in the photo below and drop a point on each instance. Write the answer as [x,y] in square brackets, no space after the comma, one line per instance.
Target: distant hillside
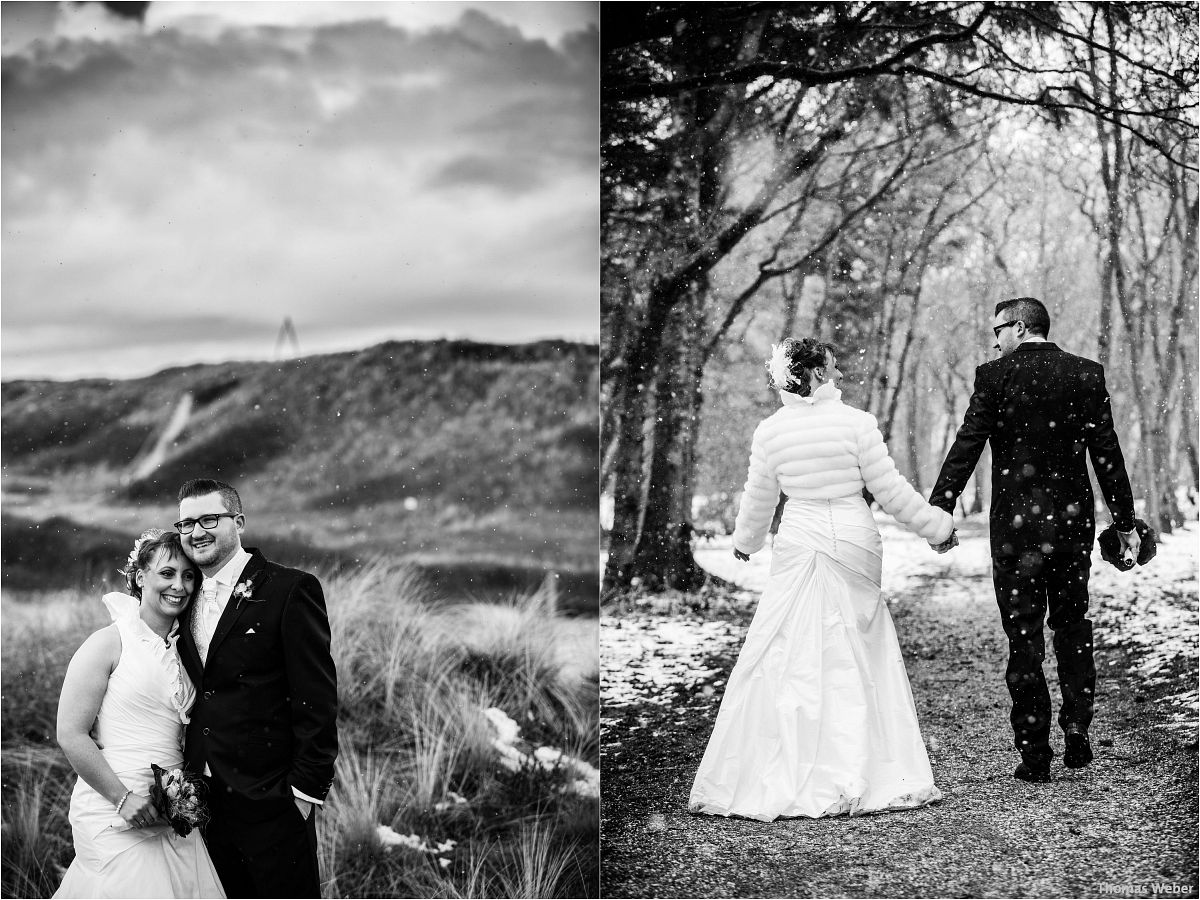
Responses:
[446,420]
[434,449]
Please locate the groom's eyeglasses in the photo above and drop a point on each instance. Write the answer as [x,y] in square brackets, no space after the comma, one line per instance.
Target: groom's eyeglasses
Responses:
[206,522]
[999,328]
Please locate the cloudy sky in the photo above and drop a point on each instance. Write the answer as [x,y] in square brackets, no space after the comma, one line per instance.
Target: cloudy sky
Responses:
[174,187]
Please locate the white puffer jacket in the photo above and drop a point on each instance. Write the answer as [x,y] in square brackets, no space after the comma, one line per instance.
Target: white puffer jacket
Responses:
[818,448]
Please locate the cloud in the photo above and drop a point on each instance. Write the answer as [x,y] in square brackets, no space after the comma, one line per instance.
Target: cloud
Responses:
[97,21]
[346,174]
[510,176]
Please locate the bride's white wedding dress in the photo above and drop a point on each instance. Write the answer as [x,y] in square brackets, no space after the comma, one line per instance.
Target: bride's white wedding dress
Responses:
[140,722]
[818,717]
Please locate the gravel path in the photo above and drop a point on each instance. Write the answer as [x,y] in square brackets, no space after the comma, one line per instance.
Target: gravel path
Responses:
[1126,826]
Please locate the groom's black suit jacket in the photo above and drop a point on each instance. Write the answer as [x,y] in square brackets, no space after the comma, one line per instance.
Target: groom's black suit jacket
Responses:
[1042,409]
[266,704]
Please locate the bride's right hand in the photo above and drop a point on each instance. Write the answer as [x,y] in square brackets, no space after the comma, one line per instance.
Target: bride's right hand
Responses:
[139,811]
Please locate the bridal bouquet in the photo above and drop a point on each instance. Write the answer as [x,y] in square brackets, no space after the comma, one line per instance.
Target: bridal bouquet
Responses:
[178,794]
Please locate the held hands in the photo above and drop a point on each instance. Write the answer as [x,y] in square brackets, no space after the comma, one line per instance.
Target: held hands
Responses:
[947,545]
[139,812]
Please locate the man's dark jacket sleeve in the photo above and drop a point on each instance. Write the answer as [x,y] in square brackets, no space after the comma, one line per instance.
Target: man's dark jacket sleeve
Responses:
[1108,461]
[310,672]
[974,432]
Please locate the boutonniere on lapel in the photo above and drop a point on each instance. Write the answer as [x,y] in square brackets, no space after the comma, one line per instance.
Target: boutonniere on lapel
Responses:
[243,590]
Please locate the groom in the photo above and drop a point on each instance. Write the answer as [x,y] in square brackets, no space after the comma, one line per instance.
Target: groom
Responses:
[1041,409]
[263,730]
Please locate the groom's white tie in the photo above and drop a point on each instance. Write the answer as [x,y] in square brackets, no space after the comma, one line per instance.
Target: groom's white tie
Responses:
[208,593]
[206,622]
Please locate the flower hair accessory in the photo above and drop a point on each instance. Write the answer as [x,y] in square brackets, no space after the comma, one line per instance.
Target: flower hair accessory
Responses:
[130,569]
[133,554]
[779,366]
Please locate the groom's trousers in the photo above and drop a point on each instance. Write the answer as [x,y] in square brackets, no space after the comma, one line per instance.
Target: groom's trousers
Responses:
[261,848]
[1027,587]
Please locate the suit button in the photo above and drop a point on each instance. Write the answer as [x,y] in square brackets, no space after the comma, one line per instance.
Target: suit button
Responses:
[208,695]
[205,731]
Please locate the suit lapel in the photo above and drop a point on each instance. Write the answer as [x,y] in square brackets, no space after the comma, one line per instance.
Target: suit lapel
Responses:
[187,641]
[256,571]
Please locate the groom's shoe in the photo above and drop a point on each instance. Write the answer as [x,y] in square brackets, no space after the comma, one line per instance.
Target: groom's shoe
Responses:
[1079,749]
[1026,772]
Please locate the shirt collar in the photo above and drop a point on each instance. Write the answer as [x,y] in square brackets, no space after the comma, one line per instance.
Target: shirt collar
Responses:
[230,572]
[1037,345]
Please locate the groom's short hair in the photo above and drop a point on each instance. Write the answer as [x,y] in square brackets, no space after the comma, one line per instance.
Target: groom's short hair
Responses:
[1029,310]
[199,487]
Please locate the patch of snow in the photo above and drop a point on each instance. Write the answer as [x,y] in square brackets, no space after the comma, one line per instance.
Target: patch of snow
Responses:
[584,779]
[391,839]
[452,800]
[1153,610]
[646,655]
[508,731]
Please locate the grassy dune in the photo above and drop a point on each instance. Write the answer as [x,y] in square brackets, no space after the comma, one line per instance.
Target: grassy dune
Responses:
[442,421]
[475,462]
[425,804]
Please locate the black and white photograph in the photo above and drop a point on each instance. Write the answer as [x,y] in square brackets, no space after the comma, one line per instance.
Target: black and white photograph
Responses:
[899,467]
[300,391]
[490,448]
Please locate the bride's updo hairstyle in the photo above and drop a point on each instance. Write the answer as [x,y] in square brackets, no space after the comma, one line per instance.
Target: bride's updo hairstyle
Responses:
[792,362]
[145,548]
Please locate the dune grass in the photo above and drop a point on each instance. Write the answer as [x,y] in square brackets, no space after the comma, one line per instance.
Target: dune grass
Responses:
[34,835]
[422,803]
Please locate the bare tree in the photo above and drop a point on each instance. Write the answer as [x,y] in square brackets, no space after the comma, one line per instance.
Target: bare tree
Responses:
[721,119]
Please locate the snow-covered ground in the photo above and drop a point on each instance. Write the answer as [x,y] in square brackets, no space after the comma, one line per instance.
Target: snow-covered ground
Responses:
[1153,610]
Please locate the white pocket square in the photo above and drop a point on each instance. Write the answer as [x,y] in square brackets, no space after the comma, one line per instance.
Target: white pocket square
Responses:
[250,631]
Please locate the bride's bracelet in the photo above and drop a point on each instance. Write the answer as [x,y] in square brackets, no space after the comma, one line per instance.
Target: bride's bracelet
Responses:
[123,799]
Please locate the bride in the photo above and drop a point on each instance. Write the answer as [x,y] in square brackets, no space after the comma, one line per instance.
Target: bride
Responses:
[818,718]
[124,702]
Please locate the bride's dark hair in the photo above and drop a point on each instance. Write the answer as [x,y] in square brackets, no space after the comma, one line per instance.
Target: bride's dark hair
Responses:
[792,363]
[144,550]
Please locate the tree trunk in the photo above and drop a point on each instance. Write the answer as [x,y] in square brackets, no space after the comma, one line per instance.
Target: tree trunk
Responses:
[885,426]
[791,289]
[663,558]
[661,553]
[1112,159]
[916,428]
[983,472]
[1188,397]
[629,465]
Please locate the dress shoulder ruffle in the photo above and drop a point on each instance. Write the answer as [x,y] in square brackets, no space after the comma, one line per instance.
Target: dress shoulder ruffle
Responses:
[124,611]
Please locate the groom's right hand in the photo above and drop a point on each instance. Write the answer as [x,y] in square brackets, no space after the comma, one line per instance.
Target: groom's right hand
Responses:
[1131,545]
